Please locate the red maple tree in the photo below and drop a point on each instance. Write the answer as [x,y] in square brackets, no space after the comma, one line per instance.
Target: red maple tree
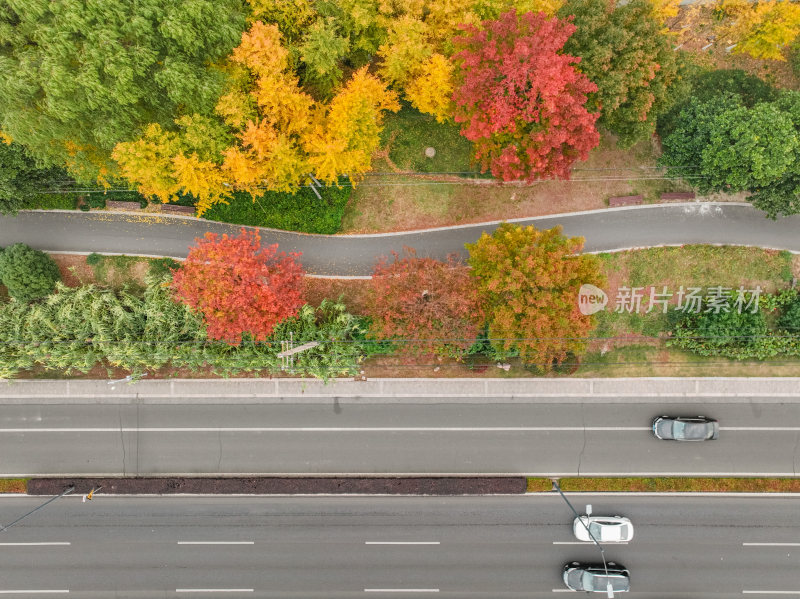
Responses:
[239,286]
[520,101]
[429,305]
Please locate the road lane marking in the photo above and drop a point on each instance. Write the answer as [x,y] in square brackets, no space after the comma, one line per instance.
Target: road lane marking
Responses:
[323,429]
[564,591]
[402,543]
[771,544]
[213,590]
[30,544]
[588,542]
[30,591]
[216,542]
[401,590]
[772,592]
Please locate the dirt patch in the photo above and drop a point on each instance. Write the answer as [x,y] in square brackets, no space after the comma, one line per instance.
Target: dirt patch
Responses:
[354,292]
[284,486]
[74,269]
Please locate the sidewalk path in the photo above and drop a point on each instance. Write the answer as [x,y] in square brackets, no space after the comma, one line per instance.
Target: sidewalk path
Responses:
[355,255]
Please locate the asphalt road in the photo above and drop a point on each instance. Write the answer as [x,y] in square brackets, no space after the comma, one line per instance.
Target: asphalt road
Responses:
[475,547]
[355,255]
[411,436]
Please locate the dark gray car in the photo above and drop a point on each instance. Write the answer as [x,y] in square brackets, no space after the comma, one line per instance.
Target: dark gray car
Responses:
[595,578]
[685,428]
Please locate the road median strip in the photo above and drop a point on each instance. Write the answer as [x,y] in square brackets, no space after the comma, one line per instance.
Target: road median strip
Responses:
[394,485]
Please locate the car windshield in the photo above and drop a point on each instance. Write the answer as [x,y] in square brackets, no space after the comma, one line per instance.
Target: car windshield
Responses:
[599,582]
[608,531]
[690,430]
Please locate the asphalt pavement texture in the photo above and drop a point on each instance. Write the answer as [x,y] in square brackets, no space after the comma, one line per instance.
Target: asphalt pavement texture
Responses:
[356,255]
[325,547]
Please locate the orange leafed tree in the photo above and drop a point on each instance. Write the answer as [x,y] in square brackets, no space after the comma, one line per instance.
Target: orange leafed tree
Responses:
[529,282]
[240,287]
[430,304]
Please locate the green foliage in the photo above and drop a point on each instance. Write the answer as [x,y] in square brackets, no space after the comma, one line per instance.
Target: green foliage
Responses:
[626,53]
[21,180]
[94,259]
[794,57]
[289,212]
[735,335]
[790,319]
[28,274]
[76,329]
[749,148]
[683,148]
[705,85]
[321,53]
[97,72]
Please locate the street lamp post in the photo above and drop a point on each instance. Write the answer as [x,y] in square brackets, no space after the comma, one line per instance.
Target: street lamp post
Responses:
[6,527]
[557,487]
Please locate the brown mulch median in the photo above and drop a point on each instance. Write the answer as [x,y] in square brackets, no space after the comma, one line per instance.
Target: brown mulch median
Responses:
[284,486]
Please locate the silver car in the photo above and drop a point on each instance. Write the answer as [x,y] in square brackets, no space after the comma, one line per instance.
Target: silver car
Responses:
[605,529]
[685,428]
[595,578]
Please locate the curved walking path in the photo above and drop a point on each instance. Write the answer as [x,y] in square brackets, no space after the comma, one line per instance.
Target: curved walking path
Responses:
[355,255]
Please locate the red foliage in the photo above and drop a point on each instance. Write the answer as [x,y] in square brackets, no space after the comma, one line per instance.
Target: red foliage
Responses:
[521,102]
[431,302]
[238,286]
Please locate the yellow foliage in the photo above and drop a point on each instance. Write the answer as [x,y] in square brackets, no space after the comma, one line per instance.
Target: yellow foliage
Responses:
[343,140]
[282,103]
[291,16]
[430,90]
[200,178]
[5,138]
[261,50]
[407,47]
[235,108]
[147,162]
[760,28]
[665,9]
[548,7]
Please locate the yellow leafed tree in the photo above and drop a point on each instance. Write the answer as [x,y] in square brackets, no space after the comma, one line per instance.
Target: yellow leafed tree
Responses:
[760,29]
[431,88]
[345,135]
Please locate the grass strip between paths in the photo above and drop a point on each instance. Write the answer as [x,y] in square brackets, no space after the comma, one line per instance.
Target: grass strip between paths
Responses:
[14,485]
[670,484]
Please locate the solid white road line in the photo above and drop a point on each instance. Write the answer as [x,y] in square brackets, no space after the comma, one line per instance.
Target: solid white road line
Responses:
[216,542]
[323,429]
[772,592]
[402,543]
[30,591]
[213,590]
[401,590]
[564,591]
[30,544]
[771,544]
[380,429]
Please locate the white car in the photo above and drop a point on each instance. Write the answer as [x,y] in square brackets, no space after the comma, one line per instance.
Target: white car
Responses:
[605,529]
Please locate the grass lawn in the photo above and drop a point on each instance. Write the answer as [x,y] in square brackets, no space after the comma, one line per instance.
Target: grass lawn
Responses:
[673,484]
[407,133]
[396,201]
[14,485]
